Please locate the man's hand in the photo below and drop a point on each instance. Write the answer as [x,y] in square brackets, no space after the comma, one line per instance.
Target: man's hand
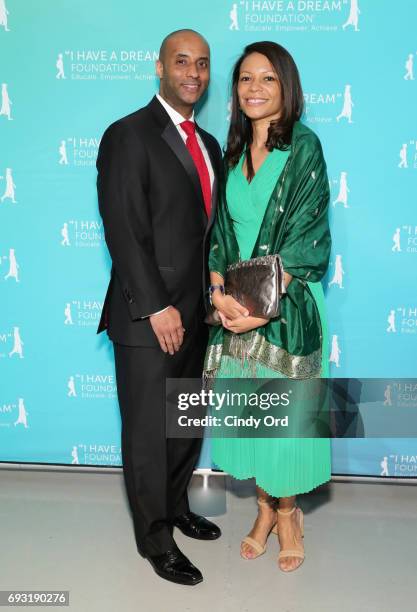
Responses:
[168,328]
[242,324]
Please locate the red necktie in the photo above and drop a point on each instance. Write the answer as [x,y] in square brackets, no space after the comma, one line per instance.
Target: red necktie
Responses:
[199,161]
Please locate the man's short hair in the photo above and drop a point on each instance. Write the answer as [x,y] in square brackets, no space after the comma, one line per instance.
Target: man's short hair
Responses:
[167,38]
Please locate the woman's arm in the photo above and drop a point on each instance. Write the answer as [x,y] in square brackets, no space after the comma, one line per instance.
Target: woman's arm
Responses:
[225,304]
[218,261]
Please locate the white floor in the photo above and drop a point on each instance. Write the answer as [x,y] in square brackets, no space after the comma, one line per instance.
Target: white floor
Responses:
[64,530]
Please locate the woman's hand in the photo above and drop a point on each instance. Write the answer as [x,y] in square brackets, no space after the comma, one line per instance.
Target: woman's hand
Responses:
[287,279]
[242,324]
[228,306]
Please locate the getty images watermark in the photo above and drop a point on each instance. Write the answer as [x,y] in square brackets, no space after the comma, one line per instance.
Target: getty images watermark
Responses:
[290,408]
[246,407]
[218,401]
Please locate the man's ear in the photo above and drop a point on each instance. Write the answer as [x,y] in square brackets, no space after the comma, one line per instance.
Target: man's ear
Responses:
[159,69]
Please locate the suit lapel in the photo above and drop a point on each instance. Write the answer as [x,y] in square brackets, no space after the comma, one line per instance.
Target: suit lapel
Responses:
[176,143]
[171,136]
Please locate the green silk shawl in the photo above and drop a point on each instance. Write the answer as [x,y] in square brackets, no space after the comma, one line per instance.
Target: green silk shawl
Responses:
[296,226]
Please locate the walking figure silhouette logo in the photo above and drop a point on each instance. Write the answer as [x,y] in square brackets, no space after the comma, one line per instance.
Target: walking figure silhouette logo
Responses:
[74,455]
[396,248]
[353,18]
[60,67]
[63,159]
[342,197]
[391,322]
[4,13]
[409,68]
[6,103]
[13,267]
[71,387]
[9,192]
[338,273]
[403,156]
[384,466]
[68,316]
[387,396]
[22,414]
[335,351]
[65,236]
[17,344]
[234,22]
[346,112]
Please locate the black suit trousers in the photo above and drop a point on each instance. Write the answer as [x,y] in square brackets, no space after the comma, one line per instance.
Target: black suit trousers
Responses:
[157,469]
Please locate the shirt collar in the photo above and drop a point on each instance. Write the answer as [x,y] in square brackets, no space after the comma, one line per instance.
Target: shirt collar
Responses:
[174,115]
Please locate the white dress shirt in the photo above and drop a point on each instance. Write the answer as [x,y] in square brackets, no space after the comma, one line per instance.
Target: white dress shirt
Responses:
[176,119]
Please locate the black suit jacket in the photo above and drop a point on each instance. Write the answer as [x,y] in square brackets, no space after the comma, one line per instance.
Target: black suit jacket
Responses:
[155,223]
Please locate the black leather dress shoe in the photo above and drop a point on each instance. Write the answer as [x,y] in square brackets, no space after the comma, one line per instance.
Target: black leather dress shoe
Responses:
[198,527]
[175,566]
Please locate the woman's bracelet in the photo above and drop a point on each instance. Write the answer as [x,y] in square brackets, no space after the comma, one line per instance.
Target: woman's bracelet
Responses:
[213,288]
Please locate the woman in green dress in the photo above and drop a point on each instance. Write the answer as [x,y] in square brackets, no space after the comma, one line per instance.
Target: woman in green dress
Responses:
[275,201]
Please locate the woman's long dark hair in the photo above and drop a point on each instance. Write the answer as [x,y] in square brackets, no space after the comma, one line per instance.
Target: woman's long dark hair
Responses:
[279,133]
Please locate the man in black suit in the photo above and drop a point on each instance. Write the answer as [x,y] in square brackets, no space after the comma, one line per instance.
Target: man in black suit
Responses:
[157,182]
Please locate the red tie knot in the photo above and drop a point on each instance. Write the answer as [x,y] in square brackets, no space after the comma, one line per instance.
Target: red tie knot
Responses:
[188,127]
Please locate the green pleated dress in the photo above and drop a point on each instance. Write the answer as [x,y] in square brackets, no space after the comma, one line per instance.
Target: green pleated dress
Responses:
[282,467]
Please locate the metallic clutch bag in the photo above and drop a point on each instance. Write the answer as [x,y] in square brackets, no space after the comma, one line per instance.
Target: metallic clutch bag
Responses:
[256,283]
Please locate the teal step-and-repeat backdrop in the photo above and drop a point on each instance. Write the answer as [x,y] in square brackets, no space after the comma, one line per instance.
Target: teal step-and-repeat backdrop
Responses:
[70,68]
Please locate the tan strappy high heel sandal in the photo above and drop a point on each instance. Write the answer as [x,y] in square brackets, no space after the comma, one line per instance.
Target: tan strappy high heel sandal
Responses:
[293,552]
[254,544]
